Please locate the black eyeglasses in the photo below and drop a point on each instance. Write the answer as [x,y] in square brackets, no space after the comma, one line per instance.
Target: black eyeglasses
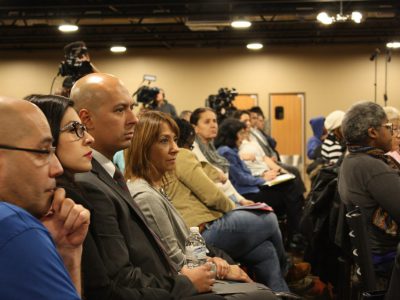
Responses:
[76,127]
[46,154]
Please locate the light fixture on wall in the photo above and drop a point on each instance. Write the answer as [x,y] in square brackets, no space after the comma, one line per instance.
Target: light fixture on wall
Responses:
[241,24]
[118,49]
[254,46]
[68,28]
[393,45]
[326,19]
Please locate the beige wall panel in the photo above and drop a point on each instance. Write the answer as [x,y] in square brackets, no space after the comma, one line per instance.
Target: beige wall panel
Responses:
[331,77]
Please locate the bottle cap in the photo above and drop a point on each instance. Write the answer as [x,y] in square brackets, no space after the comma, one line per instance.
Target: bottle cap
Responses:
[195,229]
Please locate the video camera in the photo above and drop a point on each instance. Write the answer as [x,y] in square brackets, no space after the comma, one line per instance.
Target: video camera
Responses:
[76,63]
[222,102]
[146,94]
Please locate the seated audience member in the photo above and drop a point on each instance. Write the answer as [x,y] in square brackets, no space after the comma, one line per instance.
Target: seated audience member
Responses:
[202,204]
[333,146]
[314,143]
[252,154]
[370,179]
[125,259]
[185,115]
[268,144]
[156,135]
[205,122]
[41,231]
[394,118]
[282,197]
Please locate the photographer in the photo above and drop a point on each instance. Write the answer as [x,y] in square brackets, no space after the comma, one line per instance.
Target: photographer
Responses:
[161,104]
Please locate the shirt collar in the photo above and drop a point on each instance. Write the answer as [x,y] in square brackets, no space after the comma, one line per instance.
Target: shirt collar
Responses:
[107,164]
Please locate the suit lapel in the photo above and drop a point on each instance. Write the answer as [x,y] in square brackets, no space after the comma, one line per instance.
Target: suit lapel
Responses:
[109,181]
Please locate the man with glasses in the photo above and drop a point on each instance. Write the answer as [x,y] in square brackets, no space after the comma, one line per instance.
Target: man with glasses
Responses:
[41,231]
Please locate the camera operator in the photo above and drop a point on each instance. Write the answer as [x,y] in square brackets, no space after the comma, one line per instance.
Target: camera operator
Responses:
[161,104]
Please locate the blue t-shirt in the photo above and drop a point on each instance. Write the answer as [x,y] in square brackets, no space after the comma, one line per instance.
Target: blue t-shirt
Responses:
[30,266]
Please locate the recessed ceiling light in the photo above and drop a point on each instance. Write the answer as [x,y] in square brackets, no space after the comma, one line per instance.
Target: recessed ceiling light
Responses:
[68,28]
[356,16]
[254,46]
[241,24]
[118,49]
[324,18]
[393,45]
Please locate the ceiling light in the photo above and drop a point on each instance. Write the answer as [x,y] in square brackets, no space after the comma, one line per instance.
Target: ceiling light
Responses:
[324,18]
[241,24]
[68,28]
[118,49]
[393,45]
[356,16]
[254,46]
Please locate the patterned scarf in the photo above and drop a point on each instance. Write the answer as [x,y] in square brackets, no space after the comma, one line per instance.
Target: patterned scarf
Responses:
[212,155]
[380,217]
[376,153]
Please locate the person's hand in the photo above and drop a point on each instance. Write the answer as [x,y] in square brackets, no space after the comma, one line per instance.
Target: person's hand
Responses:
[202,277]
[245,202]
[222,267]
[270,175]
[237,274]
[248,156]
[66,221]
[222,177]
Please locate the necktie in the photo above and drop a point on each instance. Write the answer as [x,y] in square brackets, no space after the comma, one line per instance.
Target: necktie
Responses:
[120,180]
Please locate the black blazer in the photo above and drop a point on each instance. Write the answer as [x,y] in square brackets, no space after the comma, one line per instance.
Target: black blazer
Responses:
[121,259]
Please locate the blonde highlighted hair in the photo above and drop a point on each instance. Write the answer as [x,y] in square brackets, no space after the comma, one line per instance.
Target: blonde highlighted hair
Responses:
[146,133]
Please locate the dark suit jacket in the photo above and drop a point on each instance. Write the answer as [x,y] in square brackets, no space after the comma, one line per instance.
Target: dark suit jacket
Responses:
[121,256]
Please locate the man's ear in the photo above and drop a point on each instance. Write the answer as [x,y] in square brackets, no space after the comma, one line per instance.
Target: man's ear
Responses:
[86,118]
[373,133]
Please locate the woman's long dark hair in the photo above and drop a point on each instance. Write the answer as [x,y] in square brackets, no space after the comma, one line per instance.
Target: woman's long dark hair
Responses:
[227,133]
[54,108]
[186,132]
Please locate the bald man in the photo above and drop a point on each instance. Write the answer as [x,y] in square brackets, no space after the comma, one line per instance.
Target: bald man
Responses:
[123,259]
[41,231]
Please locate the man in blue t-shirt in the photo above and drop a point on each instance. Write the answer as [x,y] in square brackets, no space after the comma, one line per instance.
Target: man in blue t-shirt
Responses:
[41,231]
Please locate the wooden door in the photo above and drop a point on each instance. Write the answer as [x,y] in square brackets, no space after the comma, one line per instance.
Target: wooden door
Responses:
[245,101]
[286,115]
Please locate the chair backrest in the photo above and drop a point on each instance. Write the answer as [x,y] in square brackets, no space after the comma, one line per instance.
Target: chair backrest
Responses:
[361,249]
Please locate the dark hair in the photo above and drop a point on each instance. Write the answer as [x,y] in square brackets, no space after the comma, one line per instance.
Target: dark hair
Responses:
[54,108]
[196,115]
[186,131]
[257,110]
[227,133]
[239,113]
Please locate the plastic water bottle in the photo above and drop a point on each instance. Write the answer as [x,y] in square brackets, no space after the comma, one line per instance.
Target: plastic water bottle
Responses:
[195,249]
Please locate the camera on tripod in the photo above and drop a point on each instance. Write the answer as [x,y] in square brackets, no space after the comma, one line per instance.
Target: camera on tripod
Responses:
[76,63]
[146,94]
[222,102]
